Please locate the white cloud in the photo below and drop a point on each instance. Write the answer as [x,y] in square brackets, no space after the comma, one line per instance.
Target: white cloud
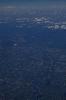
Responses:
[63,27]
[56,26]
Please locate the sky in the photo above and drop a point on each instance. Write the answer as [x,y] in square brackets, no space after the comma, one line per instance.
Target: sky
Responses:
[33,2]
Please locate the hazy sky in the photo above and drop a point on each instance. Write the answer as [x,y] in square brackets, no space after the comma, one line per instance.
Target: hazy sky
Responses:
[33,2]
